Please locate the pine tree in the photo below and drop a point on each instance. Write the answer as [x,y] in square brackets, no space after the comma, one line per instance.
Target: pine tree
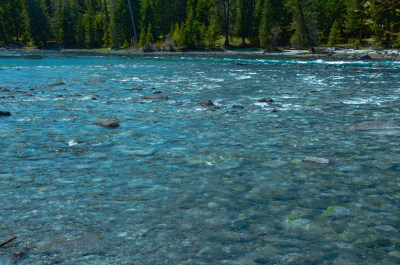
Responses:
[355,18]
[222,13]
[212,34]
[176,35]
[265,31]
[191,32]
[10,21]
[107,20]
[36,22]
[122,23]
[334,36]
[63,25]
[384,20]
[202,12]
[149,35]
[304,23]
[149,16]
[142,37]
[245,11]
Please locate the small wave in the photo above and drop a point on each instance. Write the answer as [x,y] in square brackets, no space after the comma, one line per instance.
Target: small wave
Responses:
[243,77]
[72,143]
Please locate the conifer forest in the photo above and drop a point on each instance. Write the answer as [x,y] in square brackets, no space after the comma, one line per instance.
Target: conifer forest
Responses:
[199,24]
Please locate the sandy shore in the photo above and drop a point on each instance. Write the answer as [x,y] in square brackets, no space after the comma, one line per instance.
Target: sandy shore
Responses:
[327,54]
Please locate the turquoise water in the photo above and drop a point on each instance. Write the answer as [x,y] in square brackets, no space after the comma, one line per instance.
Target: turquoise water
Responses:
[179,183]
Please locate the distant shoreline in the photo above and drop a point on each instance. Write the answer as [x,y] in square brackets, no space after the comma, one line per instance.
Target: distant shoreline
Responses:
[329,54]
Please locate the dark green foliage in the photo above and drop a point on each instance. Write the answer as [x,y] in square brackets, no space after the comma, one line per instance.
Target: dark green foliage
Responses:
[212,34]
[36,22]
[149,10]
[191,32]
[196,24]
[267,23]
[355,18]
[304,23]
[244,18]
[334,36]
[65,30]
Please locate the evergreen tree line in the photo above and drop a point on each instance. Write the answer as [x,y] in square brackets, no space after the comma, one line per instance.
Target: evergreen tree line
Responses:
[197,24]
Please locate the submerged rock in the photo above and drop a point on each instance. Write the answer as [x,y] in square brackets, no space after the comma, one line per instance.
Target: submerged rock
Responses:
[354,69]
[134,88]
[317,160]
[96,80]
[57,83]
[5,113]
[374,126]
[108,123]
[19,254]
[266,100]
[206,103]
[336,210]
[155,96]
[82,246]
[237,107]
[86,245]
[365,57]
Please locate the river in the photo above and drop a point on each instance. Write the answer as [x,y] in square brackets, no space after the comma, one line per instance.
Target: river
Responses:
[182,183]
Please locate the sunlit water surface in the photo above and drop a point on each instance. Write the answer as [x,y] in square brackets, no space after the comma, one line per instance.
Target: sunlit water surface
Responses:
[179,183]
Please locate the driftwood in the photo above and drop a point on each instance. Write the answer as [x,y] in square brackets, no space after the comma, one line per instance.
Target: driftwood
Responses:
[361,85]
[7,241]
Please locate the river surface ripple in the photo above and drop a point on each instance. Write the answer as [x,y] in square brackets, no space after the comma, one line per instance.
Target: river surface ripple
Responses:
[179,183]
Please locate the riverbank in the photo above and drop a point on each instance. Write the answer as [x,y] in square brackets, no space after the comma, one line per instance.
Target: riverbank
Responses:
[334,54]
[329,53]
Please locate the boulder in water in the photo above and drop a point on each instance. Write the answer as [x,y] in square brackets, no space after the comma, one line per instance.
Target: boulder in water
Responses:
[108,123]
[19,254]
[365,57]
[374,126]
[5,113]
[134,88]
[266,100]
[206,103]
[155,96]
[96,80]
[57,83]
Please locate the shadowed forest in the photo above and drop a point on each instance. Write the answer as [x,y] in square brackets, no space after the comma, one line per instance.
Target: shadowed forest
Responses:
[199,24]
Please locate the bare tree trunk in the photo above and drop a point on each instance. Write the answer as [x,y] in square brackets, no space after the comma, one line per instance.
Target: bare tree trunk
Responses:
[226,18]
[388,28]
[133,20]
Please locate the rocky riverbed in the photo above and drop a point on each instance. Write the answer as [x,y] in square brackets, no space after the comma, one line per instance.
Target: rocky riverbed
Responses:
[156,159]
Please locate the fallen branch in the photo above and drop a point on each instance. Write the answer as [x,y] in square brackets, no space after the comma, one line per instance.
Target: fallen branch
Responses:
[7,241]
[360,86]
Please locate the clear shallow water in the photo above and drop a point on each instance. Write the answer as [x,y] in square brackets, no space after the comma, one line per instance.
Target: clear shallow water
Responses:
[178,183]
